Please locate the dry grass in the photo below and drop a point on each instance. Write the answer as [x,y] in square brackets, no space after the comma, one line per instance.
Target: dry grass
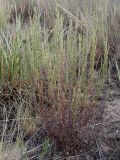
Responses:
[54,61]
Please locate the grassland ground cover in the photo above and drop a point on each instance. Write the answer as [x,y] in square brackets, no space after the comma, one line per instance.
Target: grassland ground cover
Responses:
[60,80]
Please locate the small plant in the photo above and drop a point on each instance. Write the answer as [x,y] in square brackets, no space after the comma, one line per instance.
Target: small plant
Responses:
[48,66]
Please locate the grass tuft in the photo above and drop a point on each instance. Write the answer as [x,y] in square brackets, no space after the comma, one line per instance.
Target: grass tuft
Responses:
[54,65]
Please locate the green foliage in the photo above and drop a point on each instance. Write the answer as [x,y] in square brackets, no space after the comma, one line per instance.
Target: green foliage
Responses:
[45,148]
[58,65]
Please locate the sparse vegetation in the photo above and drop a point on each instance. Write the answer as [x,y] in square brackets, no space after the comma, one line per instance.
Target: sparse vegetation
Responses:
[54,64]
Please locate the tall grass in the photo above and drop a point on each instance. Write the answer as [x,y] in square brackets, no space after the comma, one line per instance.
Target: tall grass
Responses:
[31,44]
[58,66]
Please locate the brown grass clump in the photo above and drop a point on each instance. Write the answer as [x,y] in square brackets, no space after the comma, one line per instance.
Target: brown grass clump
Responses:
[66,117]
